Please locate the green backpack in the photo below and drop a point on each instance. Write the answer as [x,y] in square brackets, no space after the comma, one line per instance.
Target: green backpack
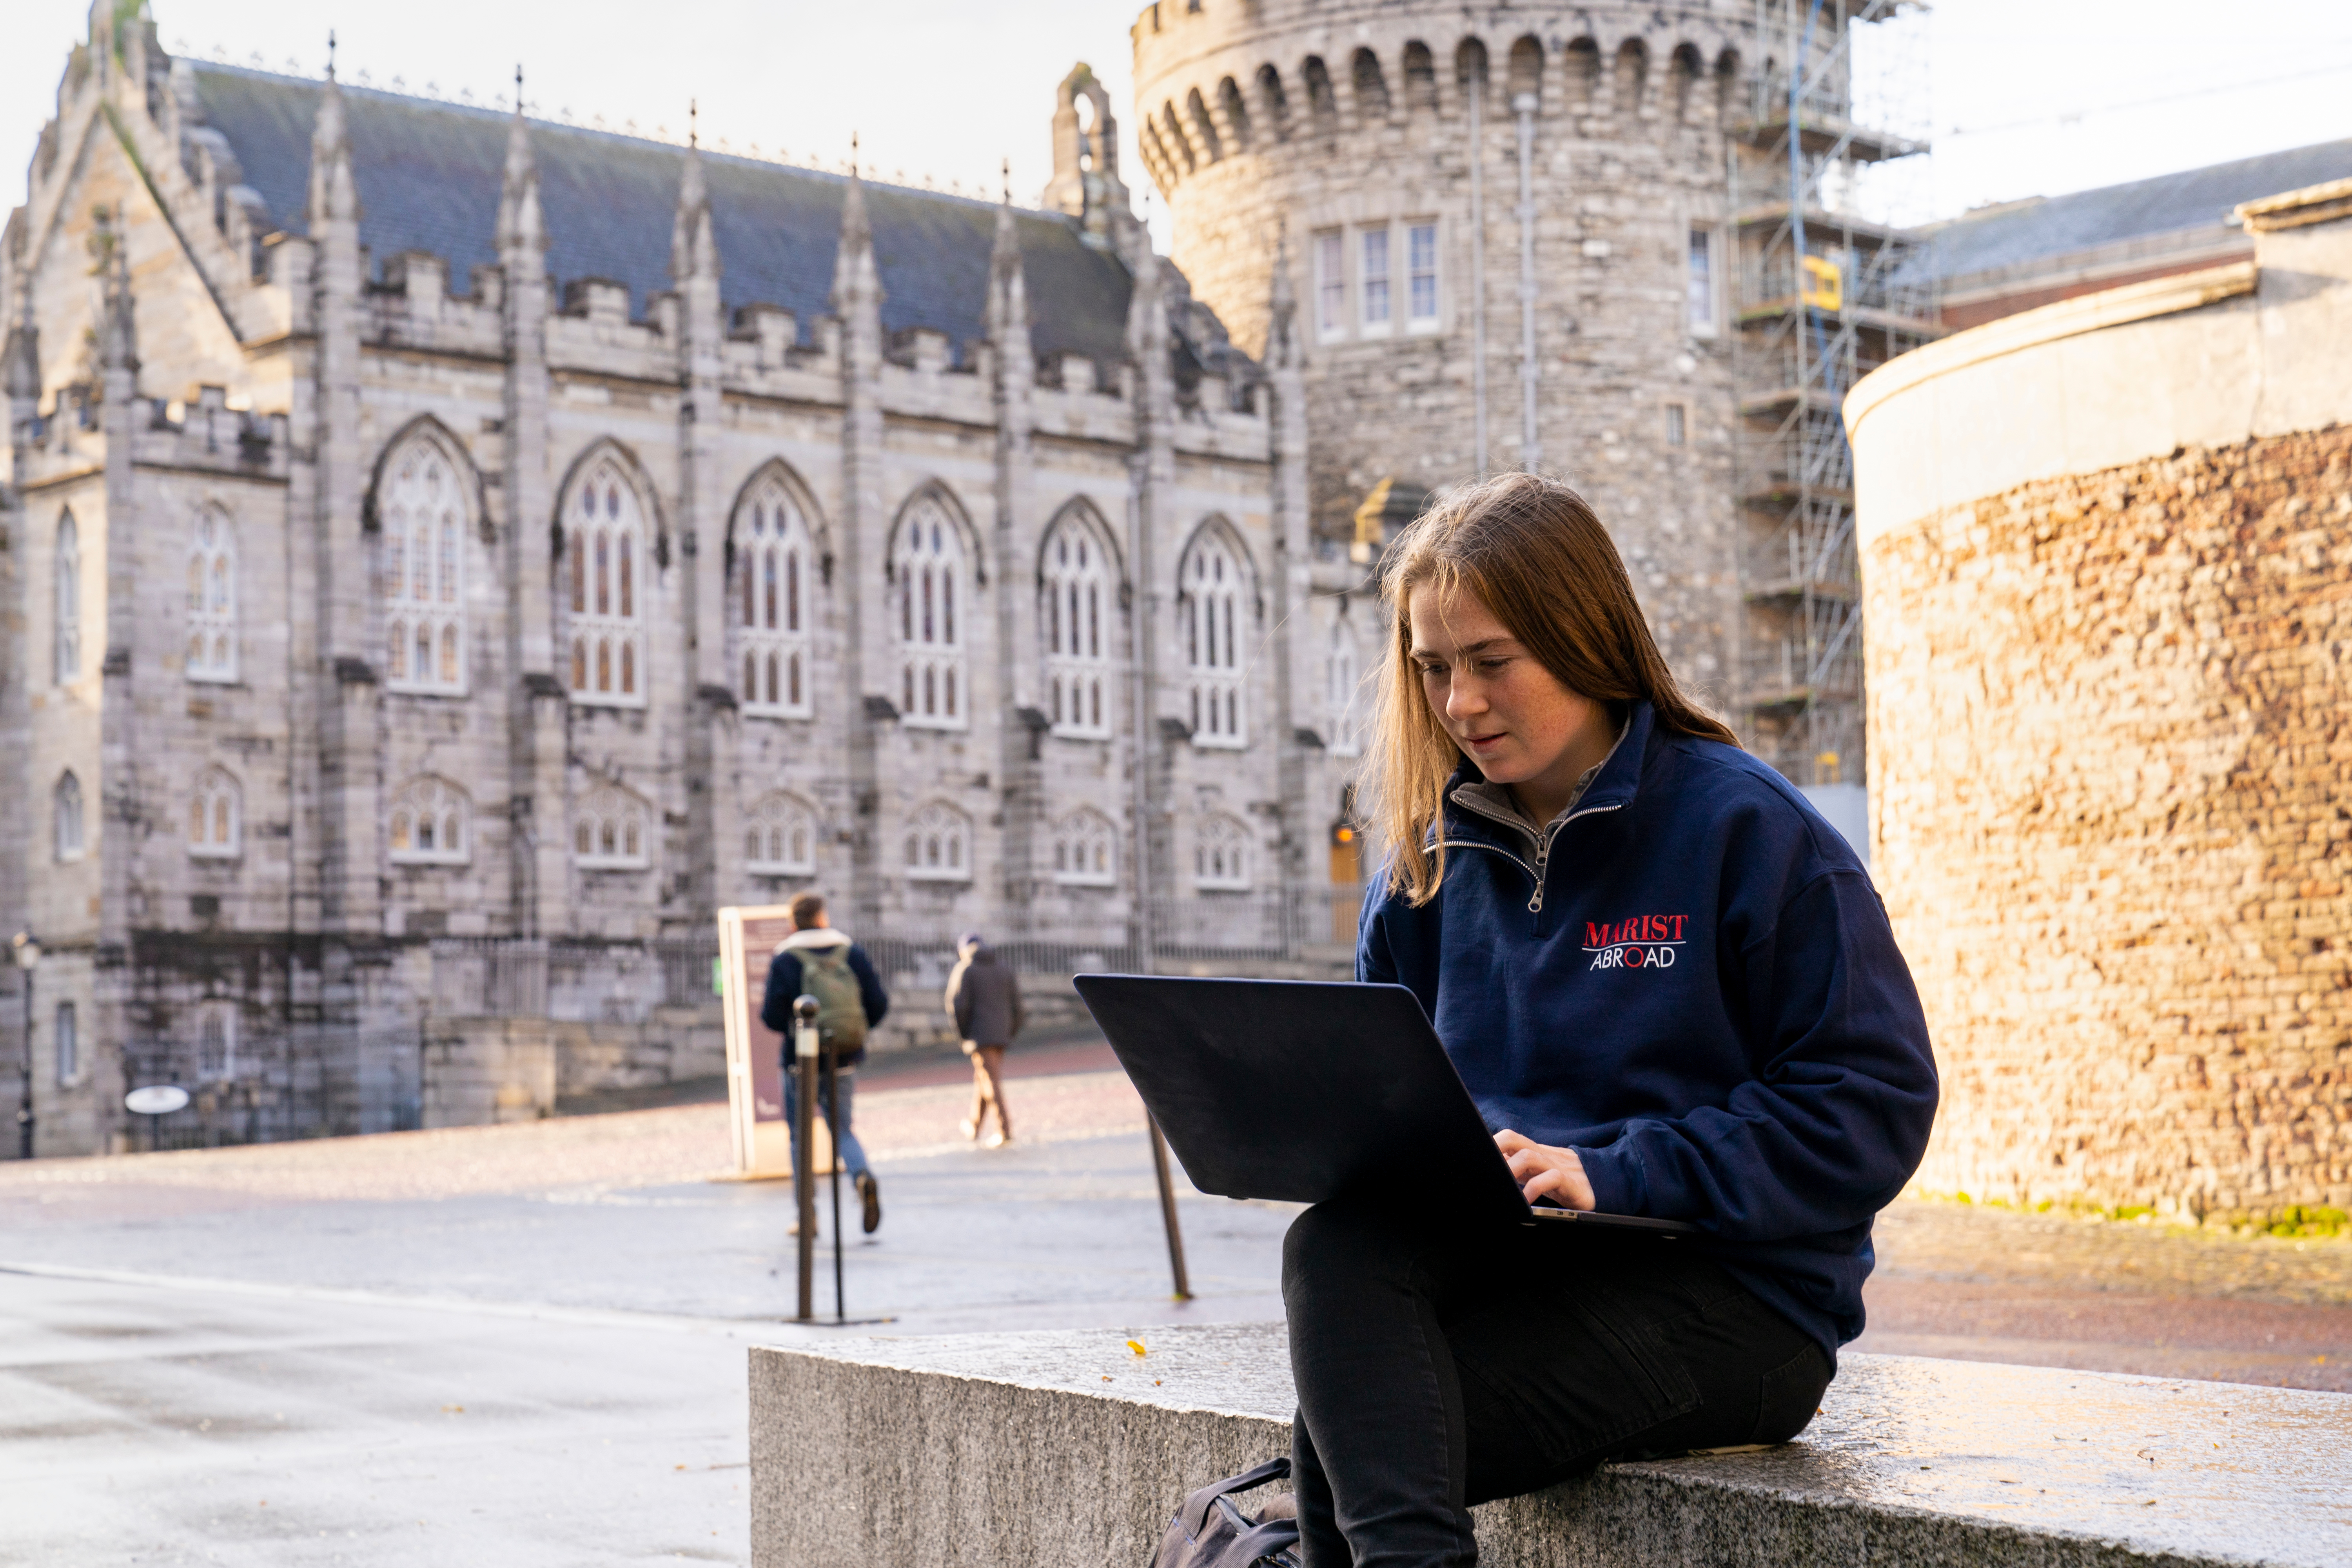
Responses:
[825,975]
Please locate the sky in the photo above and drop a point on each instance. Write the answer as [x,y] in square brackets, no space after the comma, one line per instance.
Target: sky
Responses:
[2024,97]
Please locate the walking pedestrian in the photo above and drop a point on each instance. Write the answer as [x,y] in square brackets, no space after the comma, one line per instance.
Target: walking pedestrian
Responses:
[984,999]
[820,962]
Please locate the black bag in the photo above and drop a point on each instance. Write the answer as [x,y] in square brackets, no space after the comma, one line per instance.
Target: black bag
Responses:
[1212,1531]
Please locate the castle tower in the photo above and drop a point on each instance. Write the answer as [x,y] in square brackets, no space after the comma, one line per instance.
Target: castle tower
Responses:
[1527,247]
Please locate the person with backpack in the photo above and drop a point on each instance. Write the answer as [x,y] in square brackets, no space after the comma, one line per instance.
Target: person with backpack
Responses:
[984,999]
[820,962]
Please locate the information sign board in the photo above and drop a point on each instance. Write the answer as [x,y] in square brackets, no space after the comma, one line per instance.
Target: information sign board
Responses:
[747,939]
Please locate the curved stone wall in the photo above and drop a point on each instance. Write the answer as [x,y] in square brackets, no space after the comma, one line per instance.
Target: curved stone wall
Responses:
[1285,119]
[2108,582]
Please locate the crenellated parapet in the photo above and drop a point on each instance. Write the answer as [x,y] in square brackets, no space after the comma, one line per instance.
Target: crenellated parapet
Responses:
[1219,82]
[207,436]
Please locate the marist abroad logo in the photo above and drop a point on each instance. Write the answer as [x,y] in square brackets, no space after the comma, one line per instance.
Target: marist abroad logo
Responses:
[1637,942]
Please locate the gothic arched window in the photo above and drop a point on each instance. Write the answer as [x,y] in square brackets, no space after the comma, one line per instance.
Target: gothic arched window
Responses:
[779,837]
[1085,850]
[611,831]
[211,598]
[927,571]
[939,844]
[1212,590]
[1343,696]
[423,513]
[1221,858]
[606,578]
[1075,627]
[65,571]
[64,808]
[773,605]
[215,818]
[429,824]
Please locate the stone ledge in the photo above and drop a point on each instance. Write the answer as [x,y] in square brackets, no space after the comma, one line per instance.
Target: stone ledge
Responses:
[1064,1449]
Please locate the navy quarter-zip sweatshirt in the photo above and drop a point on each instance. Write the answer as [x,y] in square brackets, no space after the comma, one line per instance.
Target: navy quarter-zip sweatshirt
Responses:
[1689,979]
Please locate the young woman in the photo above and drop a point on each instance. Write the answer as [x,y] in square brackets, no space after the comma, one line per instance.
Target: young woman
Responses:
[1670,987]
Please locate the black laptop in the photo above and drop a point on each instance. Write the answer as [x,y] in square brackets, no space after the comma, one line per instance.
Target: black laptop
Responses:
[1304,1091]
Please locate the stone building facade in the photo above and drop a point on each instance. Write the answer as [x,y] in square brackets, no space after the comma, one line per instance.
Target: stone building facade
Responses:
[449,555]
[1513,233]
[2105,569]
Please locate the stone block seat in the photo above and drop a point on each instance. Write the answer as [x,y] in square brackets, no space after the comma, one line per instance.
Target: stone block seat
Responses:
[1064,1449]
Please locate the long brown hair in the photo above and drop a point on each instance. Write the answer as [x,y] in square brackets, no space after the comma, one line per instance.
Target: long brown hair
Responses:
[1532,552]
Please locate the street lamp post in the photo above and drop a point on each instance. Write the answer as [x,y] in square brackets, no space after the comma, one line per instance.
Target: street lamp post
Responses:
[26,947]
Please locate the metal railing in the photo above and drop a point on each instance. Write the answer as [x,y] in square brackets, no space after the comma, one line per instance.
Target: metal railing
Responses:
[313,1082]
[572,982]
[1241,930]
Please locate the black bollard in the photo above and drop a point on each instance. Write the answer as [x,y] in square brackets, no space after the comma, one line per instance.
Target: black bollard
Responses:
[833,1176]
[804,1049]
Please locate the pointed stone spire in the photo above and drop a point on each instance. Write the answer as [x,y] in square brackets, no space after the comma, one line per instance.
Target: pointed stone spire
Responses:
[118,346]
[856,284]
[23,356]
[333,193]
[692,251]
[1008,286]
[1282,309]
[522,230]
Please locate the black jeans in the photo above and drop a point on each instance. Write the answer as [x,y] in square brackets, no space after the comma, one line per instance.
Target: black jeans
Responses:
[1438,1368]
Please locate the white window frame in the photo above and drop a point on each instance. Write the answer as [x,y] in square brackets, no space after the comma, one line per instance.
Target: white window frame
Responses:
[1677,430]
[68,824]
[1376,299]
[938,845]
[421,516]
[1077,630]
[931,583]
[780,837]
[773,607]
[215,816]
[1085,850]
[439,804]
[1703,241]
[65,1042]
[1212,587]
[607,574]
[216,1042]
[1222,856]
[1330,250]
[65,572]
[211,598]
[1343,692]
[1414,320]
[612,831]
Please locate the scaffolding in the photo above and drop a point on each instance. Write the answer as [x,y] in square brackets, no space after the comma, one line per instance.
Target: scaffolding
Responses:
[1825,293]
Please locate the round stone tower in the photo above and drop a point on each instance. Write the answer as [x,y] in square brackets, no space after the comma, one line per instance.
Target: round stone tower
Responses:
[1514,235]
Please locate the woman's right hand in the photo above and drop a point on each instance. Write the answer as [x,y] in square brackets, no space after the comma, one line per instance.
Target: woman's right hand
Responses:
[1543,1171]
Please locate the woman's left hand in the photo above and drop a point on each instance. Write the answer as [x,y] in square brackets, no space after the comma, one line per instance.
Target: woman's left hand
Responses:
[1543,1171]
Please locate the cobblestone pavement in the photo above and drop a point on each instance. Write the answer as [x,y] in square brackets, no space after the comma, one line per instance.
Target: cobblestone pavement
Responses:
[1928,1240]
[638,1148]
[1985,1284]
[1953,1280]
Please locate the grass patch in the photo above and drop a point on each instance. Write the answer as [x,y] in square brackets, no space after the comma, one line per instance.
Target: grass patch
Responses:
[2295,1222]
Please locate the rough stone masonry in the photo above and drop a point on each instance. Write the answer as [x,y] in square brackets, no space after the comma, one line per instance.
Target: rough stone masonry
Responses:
[2135,944]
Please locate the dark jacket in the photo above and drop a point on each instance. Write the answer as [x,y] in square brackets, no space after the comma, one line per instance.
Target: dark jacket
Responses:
[1694,986]
[985,998]
[784,989]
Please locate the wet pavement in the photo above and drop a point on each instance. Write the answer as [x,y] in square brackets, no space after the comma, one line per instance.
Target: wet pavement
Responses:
[373,1350]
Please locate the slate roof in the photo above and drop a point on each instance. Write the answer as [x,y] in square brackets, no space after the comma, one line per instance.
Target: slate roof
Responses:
[2194,198]
[429,176]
